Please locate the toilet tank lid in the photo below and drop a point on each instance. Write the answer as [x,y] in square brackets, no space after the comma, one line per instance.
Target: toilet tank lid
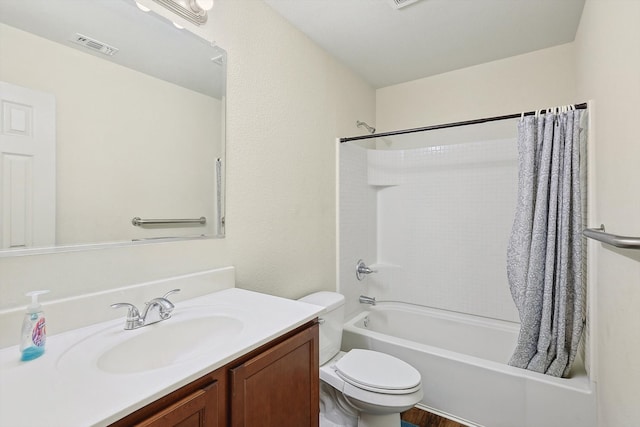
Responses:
[329,300]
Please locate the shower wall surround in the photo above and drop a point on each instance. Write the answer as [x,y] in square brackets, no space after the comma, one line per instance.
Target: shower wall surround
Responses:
[356,222]
[442,215]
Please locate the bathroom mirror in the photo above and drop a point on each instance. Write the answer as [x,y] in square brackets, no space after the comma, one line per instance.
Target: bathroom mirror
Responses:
[131,111]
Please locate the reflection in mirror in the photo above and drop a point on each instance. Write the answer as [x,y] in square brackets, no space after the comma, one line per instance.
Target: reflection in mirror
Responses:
[108,113]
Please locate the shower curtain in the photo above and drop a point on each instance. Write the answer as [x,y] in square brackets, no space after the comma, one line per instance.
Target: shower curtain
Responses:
[545,252]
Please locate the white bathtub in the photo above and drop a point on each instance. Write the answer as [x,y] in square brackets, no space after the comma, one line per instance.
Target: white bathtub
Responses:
[462,359]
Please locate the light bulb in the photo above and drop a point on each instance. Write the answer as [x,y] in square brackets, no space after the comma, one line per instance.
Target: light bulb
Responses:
[205,4]
[143,8]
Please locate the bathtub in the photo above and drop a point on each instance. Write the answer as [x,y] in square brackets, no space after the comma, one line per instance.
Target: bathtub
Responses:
[462,359]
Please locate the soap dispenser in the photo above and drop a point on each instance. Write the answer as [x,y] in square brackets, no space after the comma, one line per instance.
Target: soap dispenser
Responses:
[34,333]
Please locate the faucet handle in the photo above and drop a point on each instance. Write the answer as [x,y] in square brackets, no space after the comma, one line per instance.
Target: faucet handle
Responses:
[173,291]
[133,311]
[133,315]
[362,270]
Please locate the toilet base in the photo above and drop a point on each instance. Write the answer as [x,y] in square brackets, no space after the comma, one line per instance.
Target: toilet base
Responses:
[335,411]
[370,420]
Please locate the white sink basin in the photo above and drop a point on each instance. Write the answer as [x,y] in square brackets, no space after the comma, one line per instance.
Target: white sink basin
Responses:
[169,343]
[184,337]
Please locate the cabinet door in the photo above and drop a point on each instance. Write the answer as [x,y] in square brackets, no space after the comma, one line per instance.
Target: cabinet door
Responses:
[199,409]
[279,387]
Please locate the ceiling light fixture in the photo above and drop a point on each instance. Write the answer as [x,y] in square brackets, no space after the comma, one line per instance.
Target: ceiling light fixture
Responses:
[194,11]
[142,7]
[399,4]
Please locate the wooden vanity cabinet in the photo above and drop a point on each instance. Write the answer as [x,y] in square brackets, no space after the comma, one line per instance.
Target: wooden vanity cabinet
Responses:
[279,387]
[199,409]
[201,403]
[274,385]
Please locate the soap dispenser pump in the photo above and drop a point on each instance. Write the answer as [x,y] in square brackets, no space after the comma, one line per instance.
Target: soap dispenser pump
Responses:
[34,332]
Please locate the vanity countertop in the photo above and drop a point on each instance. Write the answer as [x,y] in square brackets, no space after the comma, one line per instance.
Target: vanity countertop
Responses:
[69,386]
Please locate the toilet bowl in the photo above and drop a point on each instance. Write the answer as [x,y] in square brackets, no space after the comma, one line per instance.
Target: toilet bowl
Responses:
[359,387]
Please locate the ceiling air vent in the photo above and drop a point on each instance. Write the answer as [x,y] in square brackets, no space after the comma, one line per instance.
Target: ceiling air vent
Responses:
[398,4]
[94,44]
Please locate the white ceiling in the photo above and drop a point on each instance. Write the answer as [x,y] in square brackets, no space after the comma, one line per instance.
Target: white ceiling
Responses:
[387,46]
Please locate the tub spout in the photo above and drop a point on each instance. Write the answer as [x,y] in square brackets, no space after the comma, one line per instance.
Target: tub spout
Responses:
[367,300]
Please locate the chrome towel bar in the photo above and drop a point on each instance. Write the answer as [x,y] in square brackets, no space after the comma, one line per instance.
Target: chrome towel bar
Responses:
[611,239]
[139,222]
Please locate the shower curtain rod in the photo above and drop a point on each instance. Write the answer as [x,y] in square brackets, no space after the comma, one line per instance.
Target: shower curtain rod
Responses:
[582,106]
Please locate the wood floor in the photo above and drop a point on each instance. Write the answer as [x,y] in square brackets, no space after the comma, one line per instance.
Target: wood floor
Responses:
[427,419]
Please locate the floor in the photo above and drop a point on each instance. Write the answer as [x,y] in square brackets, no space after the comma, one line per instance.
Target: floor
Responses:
[421,418]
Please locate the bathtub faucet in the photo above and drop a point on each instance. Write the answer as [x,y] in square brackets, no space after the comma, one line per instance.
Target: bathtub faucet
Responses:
[362,270]
[367,300]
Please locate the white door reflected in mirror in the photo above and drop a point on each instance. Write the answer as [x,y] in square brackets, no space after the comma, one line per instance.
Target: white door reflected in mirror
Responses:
[27,168]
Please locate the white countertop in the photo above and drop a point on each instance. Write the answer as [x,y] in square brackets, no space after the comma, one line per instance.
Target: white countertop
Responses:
[66,387]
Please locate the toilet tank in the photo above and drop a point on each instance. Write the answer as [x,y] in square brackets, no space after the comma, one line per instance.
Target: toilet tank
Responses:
[331,322]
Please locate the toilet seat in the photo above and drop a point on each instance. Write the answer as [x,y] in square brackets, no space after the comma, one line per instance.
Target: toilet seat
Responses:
[378,372]
[373,401]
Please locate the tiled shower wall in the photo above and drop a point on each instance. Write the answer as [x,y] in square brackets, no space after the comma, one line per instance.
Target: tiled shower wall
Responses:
[357,222]
[442,218]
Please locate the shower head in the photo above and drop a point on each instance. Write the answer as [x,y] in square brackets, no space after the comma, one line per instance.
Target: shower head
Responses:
[363,124]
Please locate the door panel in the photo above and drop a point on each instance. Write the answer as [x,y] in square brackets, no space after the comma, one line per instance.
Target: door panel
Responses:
[27,167]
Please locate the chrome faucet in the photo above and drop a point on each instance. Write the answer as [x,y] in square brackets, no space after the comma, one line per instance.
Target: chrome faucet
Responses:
[149,315]
[362,270]
[367,300]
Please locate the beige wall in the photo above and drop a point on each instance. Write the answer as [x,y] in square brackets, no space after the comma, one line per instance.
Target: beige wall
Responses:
[288,101]
[608,70]
[540,79]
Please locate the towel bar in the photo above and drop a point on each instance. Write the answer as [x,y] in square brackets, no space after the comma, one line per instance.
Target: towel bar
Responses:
[139,222]
[612,239]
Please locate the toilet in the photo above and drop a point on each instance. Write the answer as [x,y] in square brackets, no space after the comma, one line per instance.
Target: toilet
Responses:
[361,388]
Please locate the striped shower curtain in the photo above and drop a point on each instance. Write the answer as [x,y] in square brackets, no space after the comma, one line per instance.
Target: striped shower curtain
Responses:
[546,248]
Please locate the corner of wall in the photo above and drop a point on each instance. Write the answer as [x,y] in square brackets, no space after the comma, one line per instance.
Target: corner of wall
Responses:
[607,70]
